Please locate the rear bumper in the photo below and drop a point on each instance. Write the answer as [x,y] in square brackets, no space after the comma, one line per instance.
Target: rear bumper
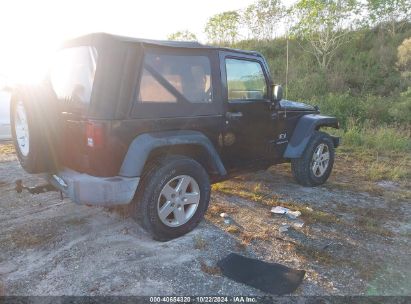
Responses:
[91,190]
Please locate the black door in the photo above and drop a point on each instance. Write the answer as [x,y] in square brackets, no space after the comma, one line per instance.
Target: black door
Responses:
[249,126]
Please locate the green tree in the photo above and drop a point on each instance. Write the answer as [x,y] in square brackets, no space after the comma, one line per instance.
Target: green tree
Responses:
[182,36]
[391,15]
[323,24]
[223,28]
[262,17]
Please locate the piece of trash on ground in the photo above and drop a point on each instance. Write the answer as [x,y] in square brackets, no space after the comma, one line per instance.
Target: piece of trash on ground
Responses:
[279,210]
[282,210]
[293,214]
[298,224]
[226,217]
[284,228]
[273,278]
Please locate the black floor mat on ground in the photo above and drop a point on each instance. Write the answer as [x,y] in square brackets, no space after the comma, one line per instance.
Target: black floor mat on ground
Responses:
[269,277]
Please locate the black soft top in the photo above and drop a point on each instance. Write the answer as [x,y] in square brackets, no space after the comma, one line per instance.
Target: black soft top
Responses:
[100,39]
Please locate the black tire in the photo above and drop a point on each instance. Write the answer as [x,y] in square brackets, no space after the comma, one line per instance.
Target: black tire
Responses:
[149,190]
[42,122]
[302,168]
[31,161]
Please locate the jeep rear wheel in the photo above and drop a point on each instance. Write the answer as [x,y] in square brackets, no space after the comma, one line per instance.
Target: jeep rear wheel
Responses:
[35,128]
[314,167]
[172,198]
[26,136]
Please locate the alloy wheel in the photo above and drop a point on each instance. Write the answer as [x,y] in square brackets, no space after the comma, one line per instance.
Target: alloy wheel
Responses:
[178,201]
[320,160]
[22,128]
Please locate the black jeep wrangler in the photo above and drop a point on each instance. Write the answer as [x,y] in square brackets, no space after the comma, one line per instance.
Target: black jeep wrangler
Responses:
[153,123]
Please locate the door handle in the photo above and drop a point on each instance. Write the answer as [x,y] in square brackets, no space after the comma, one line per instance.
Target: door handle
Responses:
[233,115]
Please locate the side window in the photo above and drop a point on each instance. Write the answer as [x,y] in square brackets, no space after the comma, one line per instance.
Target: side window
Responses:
[72,74]
[152,90]
[245,80]
[172,78]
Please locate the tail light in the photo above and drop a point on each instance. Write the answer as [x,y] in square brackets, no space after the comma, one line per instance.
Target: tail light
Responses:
[95,134]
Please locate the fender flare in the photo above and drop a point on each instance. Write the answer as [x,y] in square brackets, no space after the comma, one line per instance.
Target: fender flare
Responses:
[305,129]
[141,147]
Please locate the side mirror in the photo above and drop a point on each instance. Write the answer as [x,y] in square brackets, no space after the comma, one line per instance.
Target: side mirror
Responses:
[277,93]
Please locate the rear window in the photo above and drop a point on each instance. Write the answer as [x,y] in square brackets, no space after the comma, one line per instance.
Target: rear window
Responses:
[72,75]
[173,78]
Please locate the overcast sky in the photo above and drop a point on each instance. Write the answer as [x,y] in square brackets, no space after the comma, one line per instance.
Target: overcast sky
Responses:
[39,26]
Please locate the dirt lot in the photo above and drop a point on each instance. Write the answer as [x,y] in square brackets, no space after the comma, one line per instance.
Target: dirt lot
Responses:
[355,238]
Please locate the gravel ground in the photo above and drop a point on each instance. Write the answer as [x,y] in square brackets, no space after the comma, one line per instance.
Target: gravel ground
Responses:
[54,247]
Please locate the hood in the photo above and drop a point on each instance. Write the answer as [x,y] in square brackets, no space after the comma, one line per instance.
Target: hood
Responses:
[296,106]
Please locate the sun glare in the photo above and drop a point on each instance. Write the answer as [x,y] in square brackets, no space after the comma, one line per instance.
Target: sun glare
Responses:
[30,31]
[24,64]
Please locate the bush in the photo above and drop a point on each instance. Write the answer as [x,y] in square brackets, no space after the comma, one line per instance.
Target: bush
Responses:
[380,139]
[387,139]
[400,110]
[344,107]
[353,137]
[374,110]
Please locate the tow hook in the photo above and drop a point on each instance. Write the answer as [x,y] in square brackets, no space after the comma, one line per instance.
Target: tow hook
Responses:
[36,189]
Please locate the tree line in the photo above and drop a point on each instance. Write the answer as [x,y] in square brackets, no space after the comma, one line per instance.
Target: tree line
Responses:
[323,25]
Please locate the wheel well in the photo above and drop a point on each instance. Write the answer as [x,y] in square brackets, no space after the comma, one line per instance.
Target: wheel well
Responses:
[195,152]
[335,139]
[327,125]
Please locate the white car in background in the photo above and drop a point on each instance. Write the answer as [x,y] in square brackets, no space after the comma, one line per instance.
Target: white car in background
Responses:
[5,131]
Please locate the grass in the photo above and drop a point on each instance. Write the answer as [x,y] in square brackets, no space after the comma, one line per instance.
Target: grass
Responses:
[312,253]
[317,216]
[366,270]
[248,237]
[371,219]
[211,270]
[7,149]
[216,208]
[307,214]
[384,151]
[387,170]
[380,139]
[256,194]
[232,229]
[372,225]
[368,220]
[359,169]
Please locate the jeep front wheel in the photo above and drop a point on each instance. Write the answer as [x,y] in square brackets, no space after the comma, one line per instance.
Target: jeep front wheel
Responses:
[314,167]
[172,198]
